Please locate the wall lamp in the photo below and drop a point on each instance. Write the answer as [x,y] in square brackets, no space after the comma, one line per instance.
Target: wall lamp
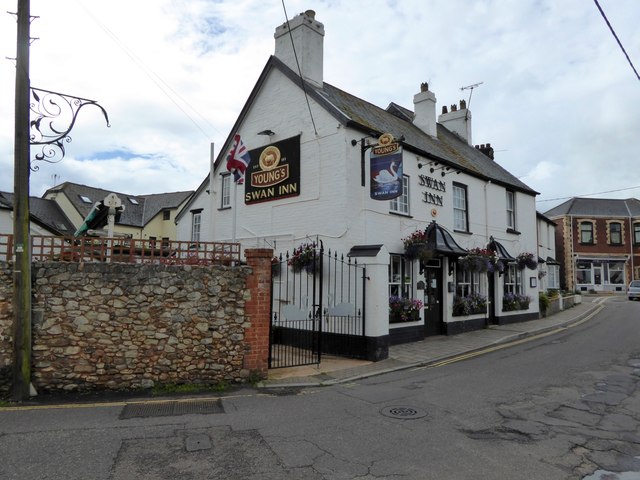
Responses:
[267,132]
[433,167]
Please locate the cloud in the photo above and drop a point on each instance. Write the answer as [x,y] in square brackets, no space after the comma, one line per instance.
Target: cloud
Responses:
[557,101]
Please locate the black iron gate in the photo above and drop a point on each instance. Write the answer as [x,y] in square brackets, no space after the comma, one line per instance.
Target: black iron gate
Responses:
[317,306]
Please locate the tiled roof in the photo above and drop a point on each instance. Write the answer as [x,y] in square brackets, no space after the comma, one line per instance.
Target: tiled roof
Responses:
[138,209]
[597,207]
[448,148]
[44,212]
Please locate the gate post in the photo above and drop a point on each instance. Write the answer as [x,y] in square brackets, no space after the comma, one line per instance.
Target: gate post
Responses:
[258,308]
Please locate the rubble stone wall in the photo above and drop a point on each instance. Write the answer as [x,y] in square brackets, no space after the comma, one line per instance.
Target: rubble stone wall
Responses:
[123,326]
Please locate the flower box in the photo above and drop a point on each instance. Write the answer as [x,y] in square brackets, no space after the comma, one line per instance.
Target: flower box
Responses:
[404,309]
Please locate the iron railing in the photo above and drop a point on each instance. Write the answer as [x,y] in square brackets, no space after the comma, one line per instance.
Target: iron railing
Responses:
[124,250]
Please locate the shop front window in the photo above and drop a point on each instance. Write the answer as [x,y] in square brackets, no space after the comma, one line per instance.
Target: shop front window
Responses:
[616,273]
[583,273]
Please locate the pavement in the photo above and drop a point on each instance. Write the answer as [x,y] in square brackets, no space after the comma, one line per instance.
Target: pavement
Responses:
[432,350]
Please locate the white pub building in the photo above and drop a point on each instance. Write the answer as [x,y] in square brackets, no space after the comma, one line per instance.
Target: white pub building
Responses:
[446,236]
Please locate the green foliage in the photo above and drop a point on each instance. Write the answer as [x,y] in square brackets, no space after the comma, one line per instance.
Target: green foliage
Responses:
[543,303]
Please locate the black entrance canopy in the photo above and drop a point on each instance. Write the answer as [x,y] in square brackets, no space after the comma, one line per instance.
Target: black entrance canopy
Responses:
[439,240]
[502,253]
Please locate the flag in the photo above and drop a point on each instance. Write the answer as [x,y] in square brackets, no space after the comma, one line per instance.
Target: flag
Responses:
[238,159]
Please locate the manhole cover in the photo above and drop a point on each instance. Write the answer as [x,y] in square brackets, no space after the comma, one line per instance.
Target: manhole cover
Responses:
[404,413]
[167,409]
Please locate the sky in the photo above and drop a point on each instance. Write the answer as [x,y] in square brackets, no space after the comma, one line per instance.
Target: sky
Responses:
[557,99]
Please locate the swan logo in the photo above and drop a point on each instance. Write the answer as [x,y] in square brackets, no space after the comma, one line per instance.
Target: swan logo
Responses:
[386,169]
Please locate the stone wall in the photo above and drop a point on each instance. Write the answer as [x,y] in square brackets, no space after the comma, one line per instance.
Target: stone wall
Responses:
[117,326]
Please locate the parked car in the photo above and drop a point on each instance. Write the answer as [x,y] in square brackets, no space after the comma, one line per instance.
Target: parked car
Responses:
[634,290]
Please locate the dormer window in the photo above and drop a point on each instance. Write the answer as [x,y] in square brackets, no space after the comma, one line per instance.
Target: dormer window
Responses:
[85,199]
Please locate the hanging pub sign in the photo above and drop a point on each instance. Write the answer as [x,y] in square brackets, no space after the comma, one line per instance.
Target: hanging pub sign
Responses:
[386,168]
[273,172]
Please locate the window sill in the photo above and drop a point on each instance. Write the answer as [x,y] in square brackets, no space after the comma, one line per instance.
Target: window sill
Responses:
[224,208]
[464,232]
[515,232]
[400,214]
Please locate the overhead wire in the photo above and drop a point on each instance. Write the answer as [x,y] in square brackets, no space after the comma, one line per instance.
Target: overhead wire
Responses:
[588,194]
[295,54]
[154,77]
[617,39]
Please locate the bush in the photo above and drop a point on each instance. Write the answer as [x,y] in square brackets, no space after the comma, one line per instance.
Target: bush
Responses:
[543,303]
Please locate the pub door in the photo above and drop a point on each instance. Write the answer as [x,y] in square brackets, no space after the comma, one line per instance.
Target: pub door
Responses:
[433,324]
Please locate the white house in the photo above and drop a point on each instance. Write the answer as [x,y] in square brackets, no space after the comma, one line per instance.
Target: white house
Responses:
[321,171]
[549,269]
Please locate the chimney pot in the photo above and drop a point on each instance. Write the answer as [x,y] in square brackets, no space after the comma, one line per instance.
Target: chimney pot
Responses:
[311,14]
[444,109]
[454,108]
[463,104]
[424,87]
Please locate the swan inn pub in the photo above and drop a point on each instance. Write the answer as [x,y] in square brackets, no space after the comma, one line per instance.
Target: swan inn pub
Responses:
[387,223]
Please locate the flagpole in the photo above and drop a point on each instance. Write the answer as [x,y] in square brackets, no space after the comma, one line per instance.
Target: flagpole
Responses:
[211,185]
[235,212]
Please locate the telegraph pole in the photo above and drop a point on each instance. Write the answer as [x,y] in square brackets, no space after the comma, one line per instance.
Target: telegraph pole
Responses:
[22,240]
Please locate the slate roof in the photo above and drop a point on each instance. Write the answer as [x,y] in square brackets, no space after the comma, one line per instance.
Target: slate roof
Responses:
[448,149]
[597,207]
[138,209]
[43,212]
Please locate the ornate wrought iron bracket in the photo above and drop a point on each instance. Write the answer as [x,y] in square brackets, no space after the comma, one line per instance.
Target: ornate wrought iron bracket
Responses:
[55,116]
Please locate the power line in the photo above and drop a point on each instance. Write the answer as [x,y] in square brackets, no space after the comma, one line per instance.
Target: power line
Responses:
[588,194]
[617,39]
[304,89]
[154,77]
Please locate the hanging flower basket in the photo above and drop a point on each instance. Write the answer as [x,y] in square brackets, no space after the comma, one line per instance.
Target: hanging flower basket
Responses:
[404,309]
[304,258]
[481,260]
[275,267]
[526,260]
[416,247]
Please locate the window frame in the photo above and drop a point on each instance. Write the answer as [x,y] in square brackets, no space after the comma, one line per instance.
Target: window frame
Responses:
[512,279]
[396,204]
[636,233]
[618,233]
[511,210]
[166,215]
[460,187]
[581,231]
[400,269]
[196,225]
[225,190]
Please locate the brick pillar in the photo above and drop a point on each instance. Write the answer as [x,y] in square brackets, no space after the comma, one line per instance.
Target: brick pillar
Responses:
[258,309]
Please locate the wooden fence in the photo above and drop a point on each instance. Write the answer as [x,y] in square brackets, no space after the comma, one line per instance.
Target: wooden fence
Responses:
[124,250]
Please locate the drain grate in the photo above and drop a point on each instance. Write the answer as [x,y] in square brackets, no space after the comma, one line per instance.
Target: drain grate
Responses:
[403,413]
[168,409]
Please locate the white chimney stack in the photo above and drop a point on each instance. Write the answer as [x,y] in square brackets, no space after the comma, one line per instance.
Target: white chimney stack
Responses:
[424,110]
[308,39]
[458,120]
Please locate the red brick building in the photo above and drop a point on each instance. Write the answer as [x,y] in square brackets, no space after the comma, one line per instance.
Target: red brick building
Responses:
[597,243]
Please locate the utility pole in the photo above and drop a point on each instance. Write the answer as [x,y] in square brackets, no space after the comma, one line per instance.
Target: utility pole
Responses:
[22,239]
